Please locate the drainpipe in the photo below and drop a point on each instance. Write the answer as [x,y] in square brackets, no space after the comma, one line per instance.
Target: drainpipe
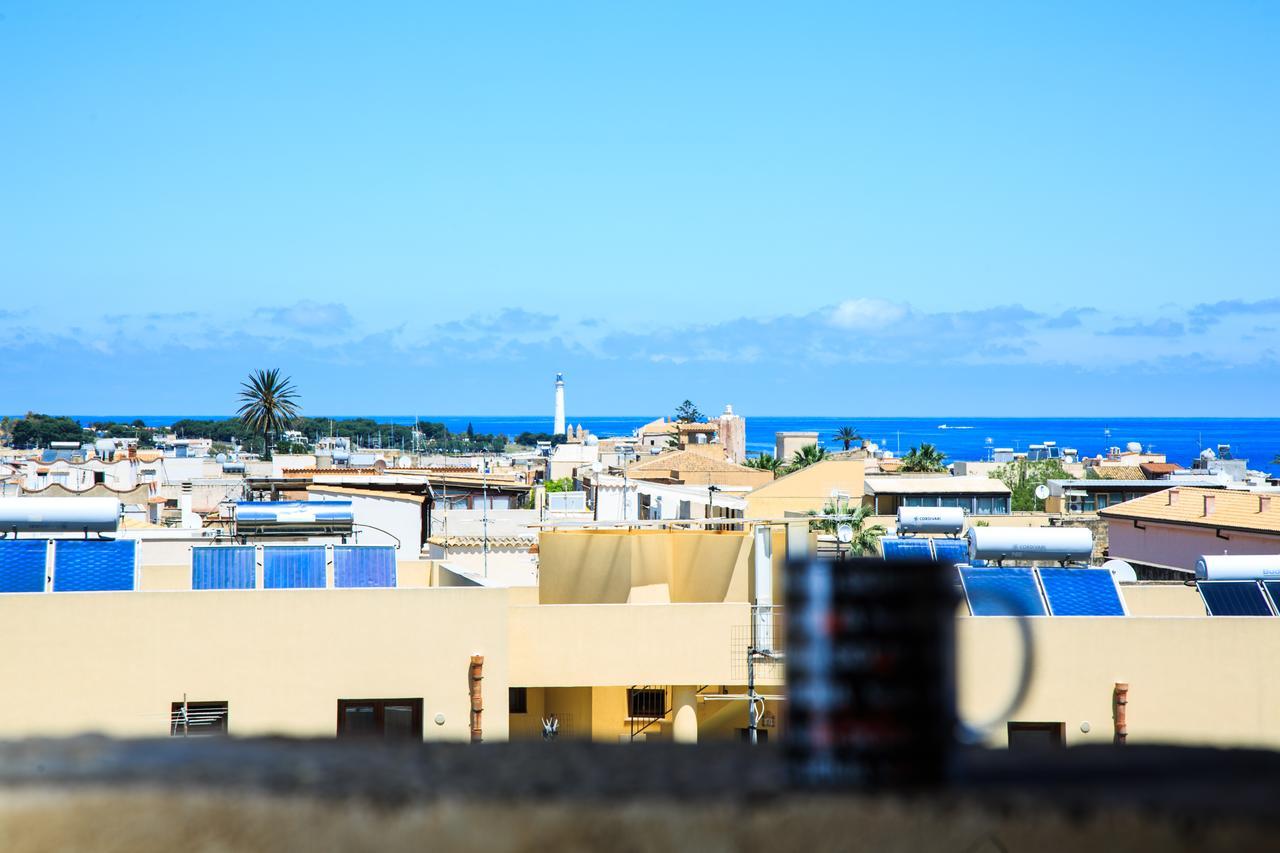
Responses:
[1120,701]
[477,702]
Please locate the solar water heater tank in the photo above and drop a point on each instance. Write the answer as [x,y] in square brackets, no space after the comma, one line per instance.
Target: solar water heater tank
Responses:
[59,515]
[931,519]
[1238,567]
[1055,544]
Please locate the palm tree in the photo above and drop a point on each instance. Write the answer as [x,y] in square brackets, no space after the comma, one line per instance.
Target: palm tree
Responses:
[766,462]
[866,538]
[847,435]
[925,458]
[806,456]
[269,402]
[1275,461]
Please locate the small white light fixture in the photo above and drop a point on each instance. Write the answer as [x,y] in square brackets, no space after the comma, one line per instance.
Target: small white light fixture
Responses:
[440,720]
[1084,727]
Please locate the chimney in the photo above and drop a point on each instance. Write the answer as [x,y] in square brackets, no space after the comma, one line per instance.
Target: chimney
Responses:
[1264,503]
[1209,501]
[1173,496]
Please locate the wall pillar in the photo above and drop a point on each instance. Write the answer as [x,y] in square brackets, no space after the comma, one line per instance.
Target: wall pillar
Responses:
[684,726]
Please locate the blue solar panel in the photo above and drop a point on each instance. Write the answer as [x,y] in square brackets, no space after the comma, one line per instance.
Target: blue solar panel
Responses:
[293,567]
[951,550]
[22,565]
[1081,592]
[1273,590]
[1233,598]
[895,548]
[229,567]
[1002,592]
[364,566]
[93,565]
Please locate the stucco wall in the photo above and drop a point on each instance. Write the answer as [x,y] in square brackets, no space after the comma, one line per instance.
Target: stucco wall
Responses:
[1191,680]
[1179,546]
[113,662]
[808,489]
[616,566]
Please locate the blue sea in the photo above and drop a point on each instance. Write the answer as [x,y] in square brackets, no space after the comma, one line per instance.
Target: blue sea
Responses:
[1180,439]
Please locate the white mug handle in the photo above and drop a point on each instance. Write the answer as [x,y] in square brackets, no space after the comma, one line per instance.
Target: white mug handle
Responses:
[977,732]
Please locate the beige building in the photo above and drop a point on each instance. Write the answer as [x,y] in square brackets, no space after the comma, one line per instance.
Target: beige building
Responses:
[787,444]
[809,489]
[696,468]
[630,633]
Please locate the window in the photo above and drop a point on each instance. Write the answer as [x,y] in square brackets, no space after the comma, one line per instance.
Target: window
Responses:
[384,718]
[685,510]
[148,475]
[517,700]
[1036,736]
[198,719]
[99,478]
[647,703]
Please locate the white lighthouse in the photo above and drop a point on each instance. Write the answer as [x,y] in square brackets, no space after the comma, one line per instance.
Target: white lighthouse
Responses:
[559,426]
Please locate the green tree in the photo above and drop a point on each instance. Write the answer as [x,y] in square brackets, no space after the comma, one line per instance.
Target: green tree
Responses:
[687,413]
[1023,476]
[1276,460]
[564,484]
[36,430]
[766,462]
[847,435]
[866,537]
[270,402]
[806,456]
[925,458]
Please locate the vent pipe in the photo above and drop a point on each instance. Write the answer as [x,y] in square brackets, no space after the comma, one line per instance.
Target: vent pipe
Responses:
[477,700]
[1120,702]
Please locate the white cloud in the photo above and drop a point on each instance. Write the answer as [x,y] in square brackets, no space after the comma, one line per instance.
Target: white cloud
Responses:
[867,313]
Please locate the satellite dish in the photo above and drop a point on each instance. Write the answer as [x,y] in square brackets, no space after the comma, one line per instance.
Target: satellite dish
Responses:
[1121,571]
[1042,492]
[844,532]
[220,458]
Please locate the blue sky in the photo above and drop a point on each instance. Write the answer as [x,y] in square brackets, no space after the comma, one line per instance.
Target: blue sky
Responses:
[997,208]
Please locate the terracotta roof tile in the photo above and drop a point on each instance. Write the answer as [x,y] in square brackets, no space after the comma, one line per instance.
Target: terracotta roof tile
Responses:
[1238,510]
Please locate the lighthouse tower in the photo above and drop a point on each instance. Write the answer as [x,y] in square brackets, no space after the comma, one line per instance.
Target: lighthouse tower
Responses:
[559,427]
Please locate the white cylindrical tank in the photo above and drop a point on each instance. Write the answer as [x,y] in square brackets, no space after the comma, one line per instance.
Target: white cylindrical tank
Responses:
[1057,544]
[930,519]
[1238,567]
[59,515]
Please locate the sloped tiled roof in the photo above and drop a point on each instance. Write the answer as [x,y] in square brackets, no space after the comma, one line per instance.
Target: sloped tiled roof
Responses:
[1118,472]
[1238,510]
[687,460]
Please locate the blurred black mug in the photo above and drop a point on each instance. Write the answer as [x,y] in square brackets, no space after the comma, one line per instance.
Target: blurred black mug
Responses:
[871,674]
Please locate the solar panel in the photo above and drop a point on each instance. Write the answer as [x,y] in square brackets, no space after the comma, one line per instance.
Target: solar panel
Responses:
[1002,592]
[22,566]
[230,567]
[951,550]
[1233,598]
[1273,590]
[1081,592]
[293,567]
[897,548]
[93,565]
[364,566]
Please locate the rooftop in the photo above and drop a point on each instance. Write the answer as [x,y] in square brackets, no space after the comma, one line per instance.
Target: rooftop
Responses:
[687,461]
[1239,510]
[942,485]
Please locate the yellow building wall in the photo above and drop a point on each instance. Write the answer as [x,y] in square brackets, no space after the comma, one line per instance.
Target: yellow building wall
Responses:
[608,645]
[808,489]
[1206,680]
[642,566]
[113,662]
